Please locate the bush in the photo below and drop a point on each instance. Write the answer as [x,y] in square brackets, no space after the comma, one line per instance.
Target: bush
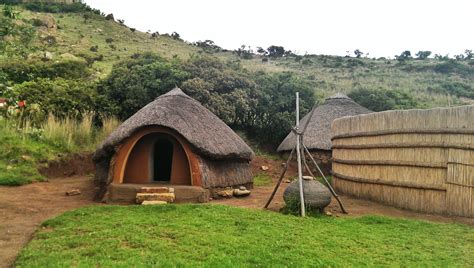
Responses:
[382,100]
[61,97]
[451,66]
[135,82]
[259,104]
[56,7]
[18,71]
[458,89]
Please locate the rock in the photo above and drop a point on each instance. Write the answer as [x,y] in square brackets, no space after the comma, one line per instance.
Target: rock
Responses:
[227,193]
[241,193]
[154,190]
[47,56]
[68,56]
[243,188]
[316,195]
[154,202]
[168,197]
[26,157]
[287,181]
[265,168]
[73,192]
[45,21]
[308,178]
[328,213]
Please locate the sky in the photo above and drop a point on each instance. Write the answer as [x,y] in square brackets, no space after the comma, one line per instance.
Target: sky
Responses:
[382,28]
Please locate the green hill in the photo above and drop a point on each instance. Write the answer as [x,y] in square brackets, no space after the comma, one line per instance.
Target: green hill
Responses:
[88,35]
[67,72]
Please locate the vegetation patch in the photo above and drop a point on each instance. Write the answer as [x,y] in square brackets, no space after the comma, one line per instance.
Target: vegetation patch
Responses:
[262,179]
[222,236]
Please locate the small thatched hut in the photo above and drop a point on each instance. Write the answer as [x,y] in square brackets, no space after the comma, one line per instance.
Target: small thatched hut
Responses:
[318,134]
[173,140]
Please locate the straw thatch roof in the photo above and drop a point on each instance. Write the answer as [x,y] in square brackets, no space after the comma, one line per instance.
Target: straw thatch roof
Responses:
[318,133]
[208,135]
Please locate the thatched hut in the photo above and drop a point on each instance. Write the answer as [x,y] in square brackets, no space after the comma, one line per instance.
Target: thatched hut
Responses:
[173,140]
[318,133]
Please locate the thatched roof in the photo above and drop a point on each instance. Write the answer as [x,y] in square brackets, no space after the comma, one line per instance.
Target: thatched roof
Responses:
[318,133]
[208,135]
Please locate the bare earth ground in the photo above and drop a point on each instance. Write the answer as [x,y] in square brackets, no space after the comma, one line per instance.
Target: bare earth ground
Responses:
[24,208]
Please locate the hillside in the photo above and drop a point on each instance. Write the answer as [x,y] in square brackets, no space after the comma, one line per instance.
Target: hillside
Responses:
[77,33]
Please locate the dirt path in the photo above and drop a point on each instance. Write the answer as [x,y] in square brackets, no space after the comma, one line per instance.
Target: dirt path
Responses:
[24,208]
[355,207]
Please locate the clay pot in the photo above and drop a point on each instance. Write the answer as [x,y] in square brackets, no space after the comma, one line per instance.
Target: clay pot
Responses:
[316,195]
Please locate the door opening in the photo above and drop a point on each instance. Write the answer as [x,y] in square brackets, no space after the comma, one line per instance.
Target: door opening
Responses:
[162,160]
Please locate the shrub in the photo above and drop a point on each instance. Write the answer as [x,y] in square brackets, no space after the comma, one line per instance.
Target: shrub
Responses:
[382,100]
[61,97]
[18,71]
[137,81]
[56,7]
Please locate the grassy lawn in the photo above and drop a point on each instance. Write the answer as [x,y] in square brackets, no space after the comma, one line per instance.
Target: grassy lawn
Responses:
[211,235]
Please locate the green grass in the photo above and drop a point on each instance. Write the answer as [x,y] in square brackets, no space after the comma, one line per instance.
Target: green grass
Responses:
[20,156]
[23,150]
[222,236]
[262,179]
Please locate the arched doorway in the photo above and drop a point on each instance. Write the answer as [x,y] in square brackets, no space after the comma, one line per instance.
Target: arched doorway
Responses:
[157,158]
[162,160]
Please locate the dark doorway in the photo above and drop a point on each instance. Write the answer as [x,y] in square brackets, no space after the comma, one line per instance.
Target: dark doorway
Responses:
[162,160]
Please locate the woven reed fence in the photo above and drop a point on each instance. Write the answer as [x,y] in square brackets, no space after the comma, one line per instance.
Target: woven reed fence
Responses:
[421,160]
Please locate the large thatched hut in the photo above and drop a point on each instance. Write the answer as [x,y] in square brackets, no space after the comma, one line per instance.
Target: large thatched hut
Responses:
[173,140]
[318,133]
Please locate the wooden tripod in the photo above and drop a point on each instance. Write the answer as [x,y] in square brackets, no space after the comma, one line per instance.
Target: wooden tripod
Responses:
[301,150]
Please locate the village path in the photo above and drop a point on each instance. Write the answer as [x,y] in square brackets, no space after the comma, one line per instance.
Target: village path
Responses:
[24,208]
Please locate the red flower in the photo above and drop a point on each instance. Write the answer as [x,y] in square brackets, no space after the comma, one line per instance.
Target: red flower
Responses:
[22,103]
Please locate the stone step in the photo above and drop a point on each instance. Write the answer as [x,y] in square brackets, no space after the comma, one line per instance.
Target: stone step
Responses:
[148,203]
[127,192]
[156,190]
[167,197]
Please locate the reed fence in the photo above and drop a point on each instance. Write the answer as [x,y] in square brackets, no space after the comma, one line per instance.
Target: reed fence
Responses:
[421,160]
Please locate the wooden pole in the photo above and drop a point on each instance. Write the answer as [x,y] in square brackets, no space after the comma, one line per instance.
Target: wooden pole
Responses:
[326,180]
[298,155]
[285,168]
[282,175]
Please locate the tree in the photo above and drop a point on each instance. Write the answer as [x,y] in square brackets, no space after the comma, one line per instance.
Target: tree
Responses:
[276,51]
[261,51]
[469,54]
[404,56]
[208,45]
[244,52]
[175,36]
[422,55]
[135,82]
[358,53]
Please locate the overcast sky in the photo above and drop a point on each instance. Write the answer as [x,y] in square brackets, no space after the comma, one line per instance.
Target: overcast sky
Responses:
[379,27]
